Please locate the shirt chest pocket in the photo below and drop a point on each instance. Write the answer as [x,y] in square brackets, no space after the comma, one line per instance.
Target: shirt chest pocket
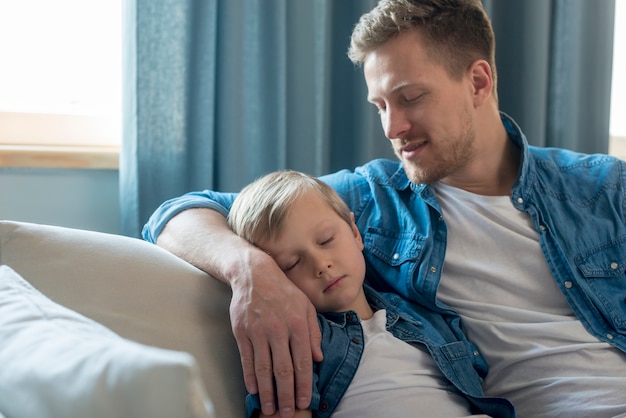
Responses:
[392,256]
[604,272]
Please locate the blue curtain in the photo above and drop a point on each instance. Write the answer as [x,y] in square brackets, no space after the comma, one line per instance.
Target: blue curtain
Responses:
[554,60]
[218,92]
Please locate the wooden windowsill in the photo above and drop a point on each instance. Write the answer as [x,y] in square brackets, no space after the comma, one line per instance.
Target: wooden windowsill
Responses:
[59,157]
[617,146]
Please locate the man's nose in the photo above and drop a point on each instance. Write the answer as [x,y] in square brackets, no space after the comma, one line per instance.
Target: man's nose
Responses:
[395,123]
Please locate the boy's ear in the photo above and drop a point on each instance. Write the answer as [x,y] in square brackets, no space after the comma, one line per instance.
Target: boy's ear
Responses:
[355,231]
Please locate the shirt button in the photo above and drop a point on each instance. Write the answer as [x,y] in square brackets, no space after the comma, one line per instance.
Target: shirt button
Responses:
[542,227]
[324,406]
[433,269]
[568,284]
[396,256]
[520,200]
[475,353]
[441,219]
[609,336]
[614,265]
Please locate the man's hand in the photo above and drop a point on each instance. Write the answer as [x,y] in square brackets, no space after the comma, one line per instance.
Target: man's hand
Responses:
[274,323]
[278,336]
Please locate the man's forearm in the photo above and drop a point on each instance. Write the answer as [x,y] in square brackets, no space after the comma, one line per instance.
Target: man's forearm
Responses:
[203,238]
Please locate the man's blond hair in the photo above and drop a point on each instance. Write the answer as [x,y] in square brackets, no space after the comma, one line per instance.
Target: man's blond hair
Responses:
[456,33]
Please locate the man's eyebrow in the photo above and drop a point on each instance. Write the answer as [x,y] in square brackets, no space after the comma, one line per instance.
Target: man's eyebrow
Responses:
[401,85]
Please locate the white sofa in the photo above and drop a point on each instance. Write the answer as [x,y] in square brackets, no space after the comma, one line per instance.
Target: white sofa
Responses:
[171,347]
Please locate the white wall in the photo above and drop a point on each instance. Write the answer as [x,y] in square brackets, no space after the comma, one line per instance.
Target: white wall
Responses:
[85,199]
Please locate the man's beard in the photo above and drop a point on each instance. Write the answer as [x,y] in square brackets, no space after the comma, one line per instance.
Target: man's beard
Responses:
[446,159]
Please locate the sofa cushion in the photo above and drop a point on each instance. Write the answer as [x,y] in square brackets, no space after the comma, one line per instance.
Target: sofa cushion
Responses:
[58,363]
[139,291]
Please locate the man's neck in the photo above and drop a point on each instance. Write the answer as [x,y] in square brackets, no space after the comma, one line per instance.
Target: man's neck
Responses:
[494,168]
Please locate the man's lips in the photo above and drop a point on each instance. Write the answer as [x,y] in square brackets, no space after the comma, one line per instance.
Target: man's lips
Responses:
[411,149]
[333,283]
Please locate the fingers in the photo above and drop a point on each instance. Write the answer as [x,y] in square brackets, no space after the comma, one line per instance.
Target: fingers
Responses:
[293,368]
[278,364]
[274,324]
[267,365]
[301,354]
[256,364]
[283,376]
[247,364]
[315,335]
[304,352]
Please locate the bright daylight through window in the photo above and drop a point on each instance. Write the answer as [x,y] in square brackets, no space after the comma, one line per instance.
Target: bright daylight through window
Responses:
[60,83]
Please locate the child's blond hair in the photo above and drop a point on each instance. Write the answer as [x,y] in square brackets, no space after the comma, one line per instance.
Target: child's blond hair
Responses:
[260,209]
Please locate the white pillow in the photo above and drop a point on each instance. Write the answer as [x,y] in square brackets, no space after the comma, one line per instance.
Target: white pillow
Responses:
[55,362]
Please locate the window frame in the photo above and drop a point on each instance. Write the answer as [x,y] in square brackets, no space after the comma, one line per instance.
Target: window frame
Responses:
[40,140]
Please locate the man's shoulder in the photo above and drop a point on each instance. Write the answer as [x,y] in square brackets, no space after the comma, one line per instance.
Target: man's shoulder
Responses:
[574,176]
[576,164]
[565,158]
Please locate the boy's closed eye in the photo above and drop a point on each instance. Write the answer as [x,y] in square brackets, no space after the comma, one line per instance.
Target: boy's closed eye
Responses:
[327,240]
[290,266]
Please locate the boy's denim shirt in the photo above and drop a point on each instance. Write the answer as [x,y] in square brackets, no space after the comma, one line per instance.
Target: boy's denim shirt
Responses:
[343,344]
[576,203]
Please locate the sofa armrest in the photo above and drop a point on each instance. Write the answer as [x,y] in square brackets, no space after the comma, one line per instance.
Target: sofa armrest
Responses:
[137,290]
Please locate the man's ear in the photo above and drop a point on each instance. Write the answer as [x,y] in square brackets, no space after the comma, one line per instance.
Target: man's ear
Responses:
[355,231]
[482,81]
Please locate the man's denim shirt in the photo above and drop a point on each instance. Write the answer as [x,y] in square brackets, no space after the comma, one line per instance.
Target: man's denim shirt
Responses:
[343,344]
[576,203]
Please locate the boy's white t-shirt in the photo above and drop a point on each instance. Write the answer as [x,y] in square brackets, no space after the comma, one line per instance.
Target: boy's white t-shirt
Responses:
[496,277]
[396,379]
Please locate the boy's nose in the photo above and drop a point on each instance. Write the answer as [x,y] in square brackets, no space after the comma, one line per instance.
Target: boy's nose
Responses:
[323,268]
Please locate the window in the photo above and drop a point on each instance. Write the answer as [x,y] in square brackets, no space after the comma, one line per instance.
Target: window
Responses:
[60,83]
[618,90]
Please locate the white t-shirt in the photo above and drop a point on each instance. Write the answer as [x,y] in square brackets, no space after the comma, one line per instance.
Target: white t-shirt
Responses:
[396,379]
[540,356]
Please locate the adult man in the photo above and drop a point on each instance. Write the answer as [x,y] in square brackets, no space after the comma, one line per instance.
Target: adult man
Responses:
[526,245]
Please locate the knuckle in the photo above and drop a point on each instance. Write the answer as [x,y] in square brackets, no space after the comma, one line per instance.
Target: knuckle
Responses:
[298,322]
[248,364]
[283,371]
[238,328]
[303,365]
[263,370]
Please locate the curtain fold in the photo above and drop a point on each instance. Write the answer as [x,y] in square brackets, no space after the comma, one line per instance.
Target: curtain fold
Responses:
[554,60]
[218,92]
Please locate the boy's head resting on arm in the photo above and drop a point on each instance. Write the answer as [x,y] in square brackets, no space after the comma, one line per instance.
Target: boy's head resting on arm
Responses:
[309,231]
[261,207]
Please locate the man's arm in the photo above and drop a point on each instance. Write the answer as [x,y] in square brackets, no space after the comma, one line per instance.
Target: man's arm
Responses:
[274,323]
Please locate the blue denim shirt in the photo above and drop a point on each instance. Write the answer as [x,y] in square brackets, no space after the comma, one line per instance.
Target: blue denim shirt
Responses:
[575,201]
[343,344]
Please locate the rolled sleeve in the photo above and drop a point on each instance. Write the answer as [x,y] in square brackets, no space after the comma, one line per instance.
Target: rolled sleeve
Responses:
[220,202]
